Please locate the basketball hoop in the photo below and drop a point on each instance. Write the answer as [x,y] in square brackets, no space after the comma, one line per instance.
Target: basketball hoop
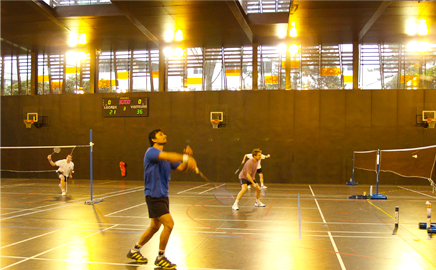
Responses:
[28,123]
[215,122]
[431,122]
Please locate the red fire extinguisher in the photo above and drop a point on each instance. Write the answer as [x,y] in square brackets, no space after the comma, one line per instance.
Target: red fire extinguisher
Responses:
[123,168]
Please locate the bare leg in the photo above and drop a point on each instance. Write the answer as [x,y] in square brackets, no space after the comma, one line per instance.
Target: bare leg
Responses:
[243,190]
[150,231]
[62,178]
[168,222]
[261,178]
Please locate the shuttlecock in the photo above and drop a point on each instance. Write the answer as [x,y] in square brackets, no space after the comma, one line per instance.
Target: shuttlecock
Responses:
[415,156]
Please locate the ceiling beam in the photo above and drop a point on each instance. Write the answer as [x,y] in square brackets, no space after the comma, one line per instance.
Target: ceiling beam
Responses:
[239,16]
[373,19]
[42,8]
[120,5]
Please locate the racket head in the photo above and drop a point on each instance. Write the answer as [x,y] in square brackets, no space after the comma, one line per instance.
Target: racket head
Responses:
[223,195]
[56,150]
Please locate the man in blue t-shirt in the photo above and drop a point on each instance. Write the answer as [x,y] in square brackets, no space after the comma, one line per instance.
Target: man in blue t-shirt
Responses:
[157,173]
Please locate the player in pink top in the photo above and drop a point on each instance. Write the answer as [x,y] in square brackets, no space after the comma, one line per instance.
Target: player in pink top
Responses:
[247,177]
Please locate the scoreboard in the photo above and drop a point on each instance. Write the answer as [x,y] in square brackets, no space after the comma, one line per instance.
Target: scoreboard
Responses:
[125,106]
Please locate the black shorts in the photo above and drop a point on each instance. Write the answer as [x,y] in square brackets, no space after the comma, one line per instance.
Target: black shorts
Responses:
[245,181]
[259,171]
[157,206]
[66,177]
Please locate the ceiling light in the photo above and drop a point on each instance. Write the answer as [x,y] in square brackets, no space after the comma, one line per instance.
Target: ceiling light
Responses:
[168,51]
[82,39]
[281,48]
[293,49]
[422,27]
[281,33]
[423,46]
[72,40]
[293,31]
[169,35]
[179,35]
[178,52]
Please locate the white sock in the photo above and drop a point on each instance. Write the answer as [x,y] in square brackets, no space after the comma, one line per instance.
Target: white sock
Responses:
[236,202]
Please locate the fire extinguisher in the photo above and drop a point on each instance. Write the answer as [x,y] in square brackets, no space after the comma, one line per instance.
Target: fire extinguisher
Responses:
[123,168]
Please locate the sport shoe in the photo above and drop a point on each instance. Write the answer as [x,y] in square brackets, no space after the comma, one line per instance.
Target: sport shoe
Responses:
[235,207]
[64,192]
[264,187]
[136,256]
[249,186]
[164,263]
[259,204]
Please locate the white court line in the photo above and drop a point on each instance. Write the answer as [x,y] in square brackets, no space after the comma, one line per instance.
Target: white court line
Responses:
[41,235]
[434,197]
[338,255]
[211,189]
[70,204]
[130,265]
[192,188]
[49,250]
[124,209]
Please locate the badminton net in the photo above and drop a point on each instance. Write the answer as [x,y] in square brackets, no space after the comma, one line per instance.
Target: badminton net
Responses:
[31,161]
[409,162]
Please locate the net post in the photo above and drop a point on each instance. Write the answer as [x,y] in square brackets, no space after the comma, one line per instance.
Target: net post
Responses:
[91,148]
[378,196]
[352,183]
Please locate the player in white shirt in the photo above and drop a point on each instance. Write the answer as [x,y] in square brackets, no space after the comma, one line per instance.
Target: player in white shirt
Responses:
[65,171]
[259,167]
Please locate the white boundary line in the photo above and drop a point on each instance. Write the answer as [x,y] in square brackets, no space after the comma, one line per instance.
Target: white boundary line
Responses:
[78,202]
[211,189]
[193,188]
[125,209]
[41,235]
[49,250]
[434,197]
[132,265]
[338,255]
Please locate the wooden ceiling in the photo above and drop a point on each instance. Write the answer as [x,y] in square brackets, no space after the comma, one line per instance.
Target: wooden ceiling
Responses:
[31,25]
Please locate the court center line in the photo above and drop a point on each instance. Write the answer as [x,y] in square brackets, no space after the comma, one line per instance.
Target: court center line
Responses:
[49,250]
[186,190]
[338,255]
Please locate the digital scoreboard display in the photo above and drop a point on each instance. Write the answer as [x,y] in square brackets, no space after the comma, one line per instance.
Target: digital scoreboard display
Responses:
[125,106]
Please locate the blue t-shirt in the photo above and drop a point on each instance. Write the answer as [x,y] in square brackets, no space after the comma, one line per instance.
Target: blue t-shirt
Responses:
[157,174]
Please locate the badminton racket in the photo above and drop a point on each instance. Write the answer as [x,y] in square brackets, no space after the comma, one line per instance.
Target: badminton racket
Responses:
[56,150]
[221,194]
[262,190]
[240,166]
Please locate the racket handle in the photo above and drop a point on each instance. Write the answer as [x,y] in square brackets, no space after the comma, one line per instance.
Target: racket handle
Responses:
[197,171]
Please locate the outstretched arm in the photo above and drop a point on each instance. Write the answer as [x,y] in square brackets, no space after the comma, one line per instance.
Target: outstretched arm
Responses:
[188,162]
[51,162]
[243,160]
